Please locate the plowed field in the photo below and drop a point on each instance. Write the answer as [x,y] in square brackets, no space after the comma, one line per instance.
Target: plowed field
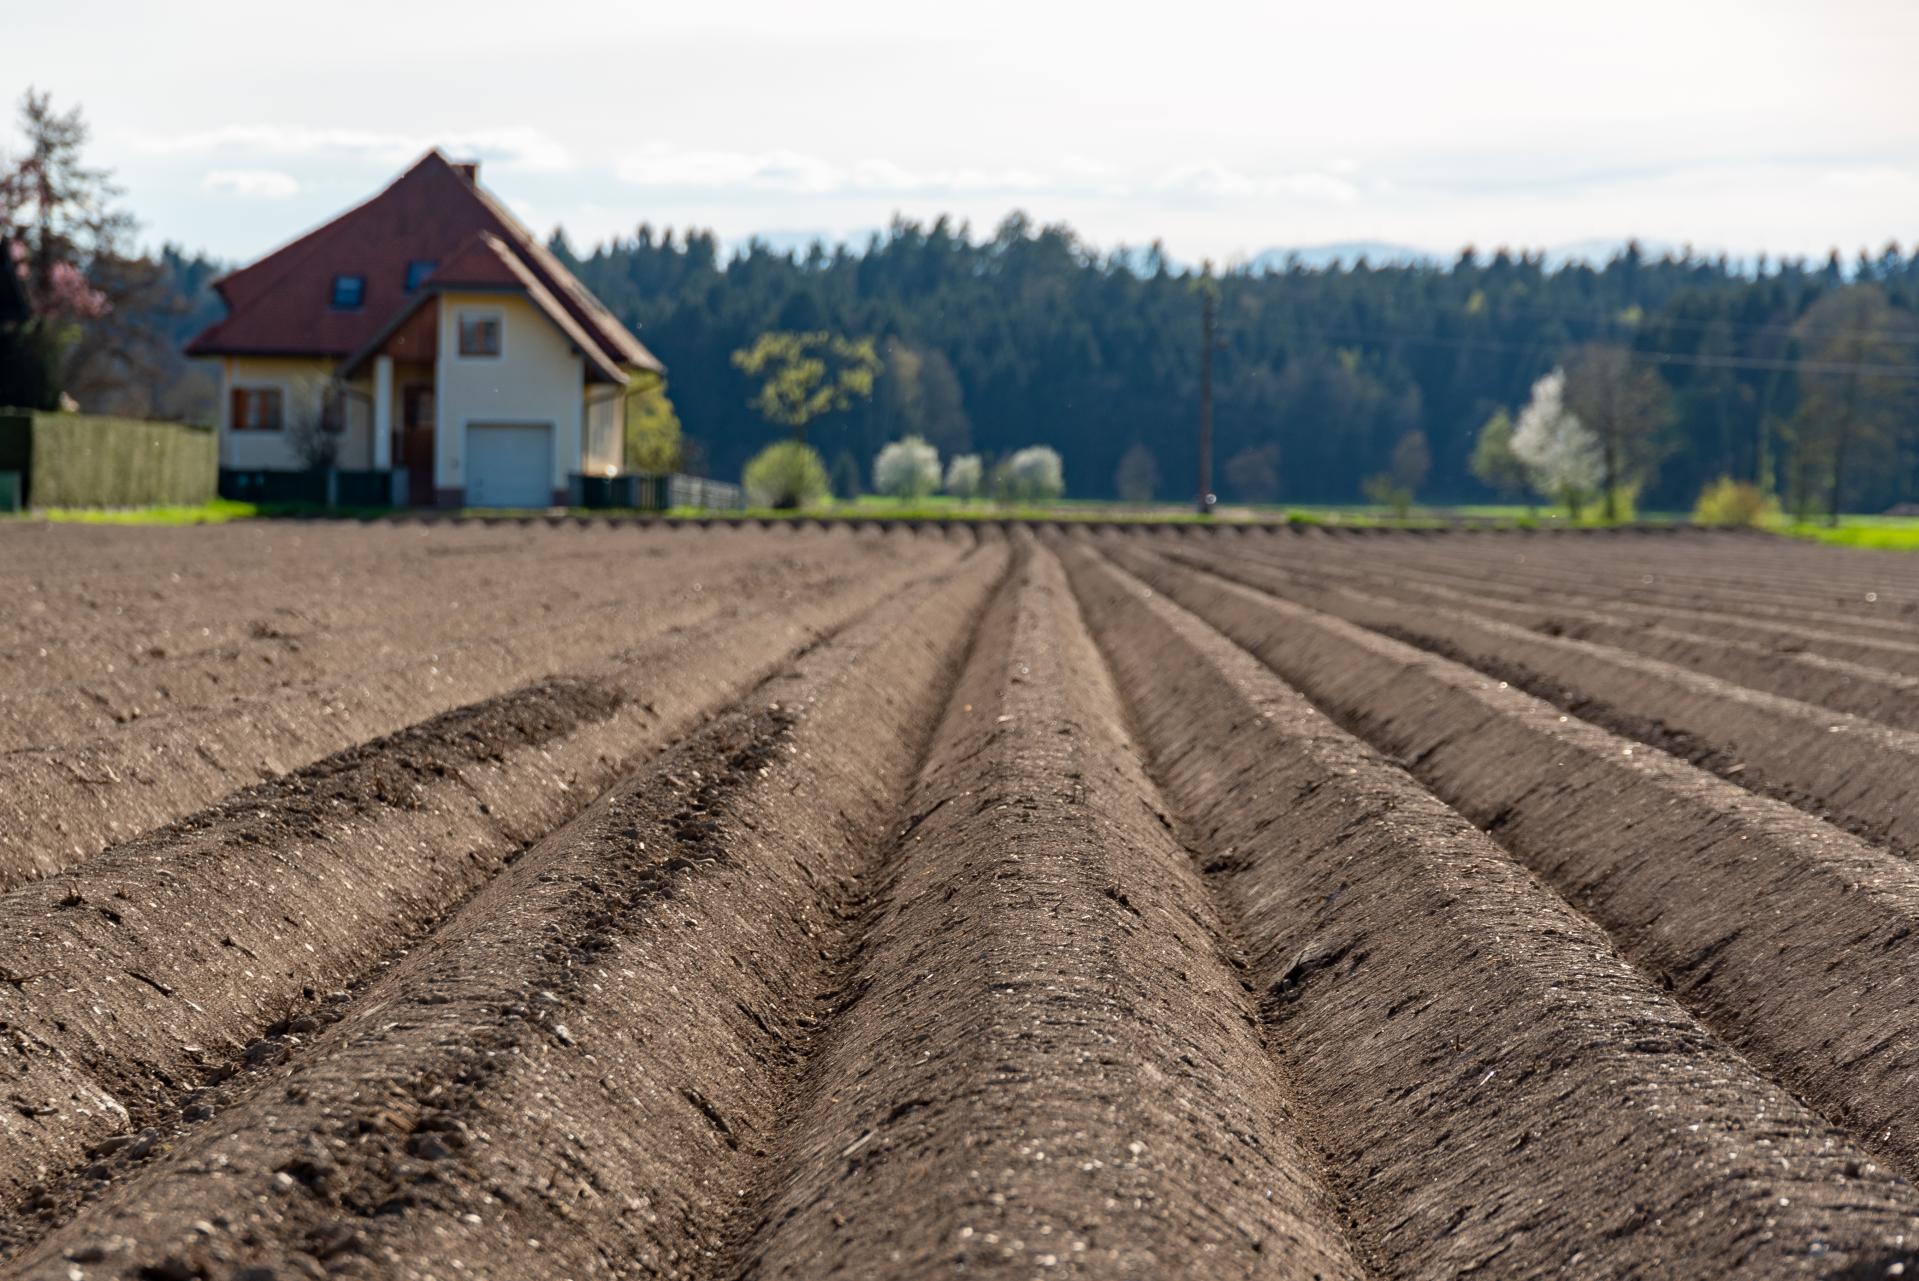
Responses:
[576,901]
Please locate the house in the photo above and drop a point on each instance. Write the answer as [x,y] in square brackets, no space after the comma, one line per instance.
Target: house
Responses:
[421,348]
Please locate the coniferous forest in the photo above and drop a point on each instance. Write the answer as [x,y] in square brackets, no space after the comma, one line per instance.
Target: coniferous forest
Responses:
[1030,336]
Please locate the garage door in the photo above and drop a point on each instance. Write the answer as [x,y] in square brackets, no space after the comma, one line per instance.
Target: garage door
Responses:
[509,465]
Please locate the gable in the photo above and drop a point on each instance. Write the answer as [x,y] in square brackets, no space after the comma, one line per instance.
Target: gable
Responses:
[281,305]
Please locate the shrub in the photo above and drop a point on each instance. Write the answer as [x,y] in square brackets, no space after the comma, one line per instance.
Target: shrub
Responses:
[1384,491]
[1033,475]
[1136,479]
[908,468]
[652,441]
[786,475]
[1734,502]
[964,476]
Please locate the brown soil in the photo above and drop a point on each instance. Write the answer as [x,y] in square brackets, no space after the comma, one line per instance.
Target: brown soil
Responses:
[1045,1064]
[564,902]
[1856,769]
[146,740]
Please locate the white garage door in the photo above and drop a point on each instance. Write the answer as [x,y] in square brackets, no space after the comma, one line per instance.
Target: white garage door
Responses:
[509,465]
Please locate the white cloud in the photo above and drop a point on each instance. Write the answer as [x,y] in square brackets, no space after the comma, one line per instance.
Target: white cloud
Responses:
[660,165]
[1231,184]
[517,147]
[252,184]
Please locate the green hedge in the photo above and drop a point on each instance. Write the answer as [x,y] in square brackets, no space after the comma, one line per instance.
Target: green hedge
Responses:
[85,460]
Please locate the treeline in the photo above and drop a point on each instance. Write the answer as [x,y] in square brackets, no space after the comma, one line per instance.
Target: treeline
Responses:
[1329,384]
[1029,335]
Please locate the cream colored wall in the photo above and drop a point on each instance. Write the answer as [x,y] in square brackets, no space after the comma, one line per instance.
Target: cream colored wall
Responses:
[537,378]
[301,382]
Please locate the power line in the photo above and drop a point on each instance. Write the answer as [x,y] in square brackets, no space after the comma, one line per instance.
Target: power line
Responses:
[1754,363]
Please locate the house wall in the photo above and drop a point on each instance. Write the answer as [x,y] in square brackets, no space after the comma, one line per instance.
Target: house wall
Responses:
[537,378]
[302,383]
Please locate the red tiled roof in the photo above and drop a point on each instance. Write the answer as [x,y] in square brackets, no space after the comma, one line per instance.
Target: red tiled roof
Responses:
[281,305]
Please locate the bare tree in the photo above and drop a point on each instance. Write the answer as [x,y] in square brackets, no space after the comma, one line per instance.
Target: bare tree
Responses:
[1625,406]
[315,421]
[1855,388]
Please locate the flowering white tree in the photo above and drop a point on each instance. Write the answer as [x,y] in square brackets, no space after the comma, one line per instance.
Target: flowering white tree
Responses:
[964,476]
[1560,453]
[908,468]
[1033,475]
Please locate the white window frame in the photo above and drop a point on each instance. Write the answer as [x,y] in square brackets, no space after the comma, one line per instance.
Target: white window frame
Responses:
[460,316]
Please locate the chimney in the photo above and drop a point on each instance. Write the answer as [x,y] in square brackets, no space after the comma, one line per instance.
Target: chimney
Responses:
[468,169]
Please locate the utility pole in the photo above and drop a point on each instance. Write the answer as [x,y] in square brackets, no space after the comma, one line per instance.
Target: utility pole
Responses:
[1209,299]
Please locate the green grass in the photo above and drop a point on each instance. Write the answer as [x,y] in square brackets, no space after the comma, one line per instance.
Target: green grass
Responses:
[1887,533]
[216,512]
[1876,533]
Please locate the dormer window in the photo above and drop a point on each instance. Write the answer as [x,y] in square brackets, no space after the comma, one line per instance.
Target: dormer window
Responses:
[417,271]
[349,293]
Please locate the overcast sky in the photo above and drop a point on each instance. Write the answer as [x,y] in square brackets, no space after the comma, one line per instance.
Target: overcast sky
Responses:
[1789,126]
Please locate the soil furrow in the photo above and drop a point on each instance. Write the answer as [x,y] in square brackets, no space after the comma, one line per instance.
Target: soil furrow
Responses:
[1501,1092]
[1796,943]
[149,969]
[574,1077]
[62,804]
[275,633]
[1886,696]
[1609,579]
[1835,765]
[1047,1066]
[1895,653]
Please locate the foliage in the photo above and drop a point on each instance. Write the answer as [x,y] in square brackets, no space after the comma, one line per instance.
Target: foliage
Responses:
[652,437]
[919,395]
[1494,462]
[1560,455]
[1624,405]
[1855,396]
[907,469]
[1090,351]
[86,318]
[1252,475]
[786,475]
[1735,502]
[1031,475]
[805,375]
[1412,460]
[1137,479]
[965,474]
[846,476]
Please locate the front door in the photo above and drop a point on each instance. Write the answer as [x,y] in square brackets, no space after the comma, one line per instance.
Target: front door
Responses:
[414,449]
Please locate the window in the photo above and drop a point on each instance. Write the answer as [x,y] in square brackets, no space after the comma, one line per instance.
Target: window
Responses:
[258,409]
[479,334]
[349,292]
[417,271]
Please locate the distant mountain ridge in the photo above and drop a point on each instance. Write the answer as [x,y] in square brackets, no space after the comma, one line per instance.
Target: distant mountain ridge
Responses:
[1344,255]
